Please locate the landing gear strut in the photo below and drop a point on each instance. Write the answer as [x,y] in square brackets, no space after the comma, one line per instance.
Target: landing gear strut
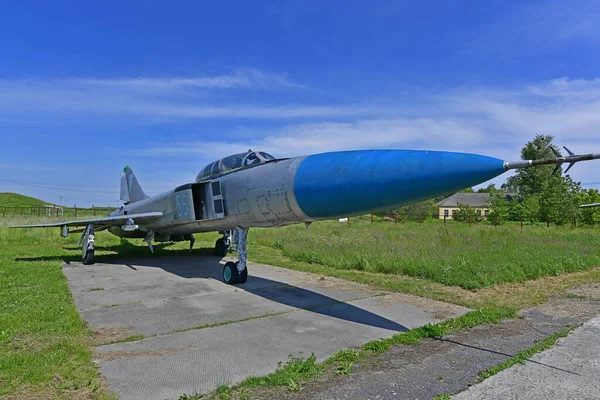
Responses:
[222,245]
[238,272]
[86,241]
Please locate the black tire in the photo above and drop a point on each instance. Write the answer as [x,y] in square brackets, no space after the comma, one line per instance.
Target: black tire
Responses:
[221,248]
[230,273]
[243,275]
[89,258]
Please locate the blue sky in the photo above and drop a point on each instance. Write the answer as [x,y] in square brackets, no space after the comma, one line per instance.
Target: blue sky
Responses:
[88,87]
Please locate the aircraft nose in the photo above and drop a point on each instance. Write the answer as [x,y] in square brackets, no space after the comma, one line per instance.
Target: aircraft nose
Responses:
[340,184]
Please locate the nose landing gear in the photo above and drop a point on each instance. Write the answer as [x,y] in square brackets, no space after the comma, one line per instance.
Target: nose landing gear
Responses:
[237,272]
[86,241]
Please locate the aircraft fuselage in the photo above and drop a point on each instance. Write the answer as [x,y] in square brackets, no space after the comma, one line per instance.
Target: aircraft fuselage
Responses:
[306,189]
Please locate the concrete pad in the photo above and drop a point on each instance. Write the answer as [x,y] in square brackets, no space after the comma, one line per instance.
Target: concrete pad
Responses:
[569,370]
[277,313]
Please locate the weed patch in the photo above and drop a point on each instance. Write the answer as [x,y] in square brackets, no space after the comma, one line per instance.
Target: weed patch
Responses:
[524,355]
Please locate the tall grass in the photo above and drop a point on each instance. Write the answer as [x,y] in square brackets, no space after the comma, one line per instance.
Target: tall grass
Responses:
[471,257]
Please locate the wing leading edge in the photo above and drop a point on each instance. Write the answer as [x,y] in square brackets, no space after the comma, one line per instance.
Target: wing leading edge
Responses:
[140,219]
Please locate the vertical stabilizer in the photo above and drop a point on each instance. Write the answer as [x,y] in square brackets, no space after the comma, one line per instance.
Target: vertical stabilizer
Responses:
[131,190]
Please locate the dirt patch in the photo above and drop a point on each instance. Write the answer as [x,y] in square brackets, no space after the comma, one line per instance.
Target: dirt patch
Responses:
[589,291]
[438,309]
[109,334]
[565,308]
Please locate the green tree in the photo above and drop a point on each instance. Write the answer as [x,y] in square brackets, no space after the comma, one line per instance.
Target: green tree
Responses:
[491,188]
[543,196]
[589,215]
[500,207]
[530,207]
[425,209]
[531,181]
[466,213]
[558,200]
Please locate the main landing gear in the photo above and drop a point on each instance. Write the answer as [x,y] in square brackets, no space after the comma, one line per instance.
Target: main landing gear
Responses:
[223,244]
[86,241]
[237,272]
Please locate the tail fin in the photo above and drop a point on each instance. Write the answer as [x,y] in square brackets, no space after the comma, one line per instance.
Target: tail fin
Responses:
[131,190]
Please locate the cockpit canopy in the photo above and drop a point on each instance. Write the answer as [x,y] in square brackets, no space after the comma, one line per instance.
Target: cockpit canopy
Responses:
[236,161]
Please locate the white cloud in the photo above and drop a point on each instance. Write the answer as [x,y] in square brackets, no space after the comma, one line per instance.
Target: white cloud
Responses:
[294,140]
[160,98]
[258,112]
[494,122]
[241,78]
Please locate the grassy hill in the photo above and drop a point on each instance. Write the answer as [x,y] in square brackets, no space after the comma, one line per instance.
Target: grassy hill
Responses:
[19,200]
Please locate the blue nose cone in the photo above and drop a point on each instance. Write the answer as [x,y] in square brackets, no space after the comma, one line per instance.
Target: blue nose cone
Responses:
[339,184]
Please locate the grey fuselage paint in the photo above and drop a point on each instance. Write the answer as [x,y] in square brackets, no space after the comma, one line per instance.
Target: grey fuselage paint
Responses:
[260,196]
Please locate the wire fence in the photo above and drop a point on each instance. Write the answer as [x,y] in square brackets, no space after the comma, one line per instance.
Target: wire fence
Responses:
[74,212]
[54,211]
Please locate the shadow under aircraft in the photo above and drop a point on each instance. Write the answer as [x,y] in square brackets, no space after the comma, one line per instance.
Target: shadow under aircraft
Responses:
[183,265]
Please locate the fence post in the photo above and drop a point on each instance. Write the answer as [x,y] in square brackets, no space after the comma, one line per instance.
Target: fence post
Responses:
[574,221]
[4,212]
[495,220]
[470,220]
[21,211]
[75,211]
[395,219]
[444,219]
[371,218]
[348,221]
[420,220]
[56,212]
[521,222]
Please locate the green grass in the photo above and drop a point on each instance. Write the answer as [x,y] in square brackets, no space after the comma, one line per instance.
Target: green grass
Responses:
[472,257]
[525,355]
[14,205]
[414,336]
[47,349]
[19,200]
[295,372]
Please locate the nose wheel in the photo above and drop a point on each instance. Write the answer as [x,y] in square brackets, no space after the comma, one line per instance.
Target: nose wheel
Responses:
[237,272]
[87,245]
[232,274]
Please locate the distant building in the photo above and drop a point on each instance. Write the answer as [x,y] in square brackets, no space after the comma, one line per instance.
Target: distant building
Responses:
[477,201]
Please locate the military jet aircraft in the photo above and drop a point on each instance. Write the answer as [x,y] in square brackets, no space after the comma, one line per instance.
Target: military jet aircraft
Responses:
[254,189]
